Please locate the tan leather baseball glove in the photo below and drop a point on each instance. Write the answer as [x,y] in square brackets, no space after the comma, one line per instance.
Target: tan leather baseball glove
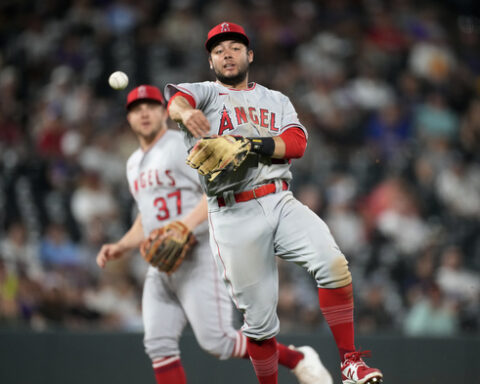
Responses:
[166,247]
[212,156]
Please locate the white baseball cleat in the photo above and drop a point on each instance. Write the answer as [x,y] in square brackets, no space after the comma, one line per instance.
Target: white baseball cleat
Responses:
[355,371]
[310,369]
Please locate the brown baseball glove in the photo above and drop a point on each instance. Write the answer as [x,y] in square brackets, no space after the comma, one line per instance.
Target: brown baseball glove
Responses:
[212,156]
[166,247]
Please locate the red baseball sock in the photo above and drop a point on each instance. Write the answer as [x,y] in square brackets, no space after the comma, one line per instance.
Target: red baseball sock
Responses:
[264,357]
[169,370]
[288,357]
[337,308]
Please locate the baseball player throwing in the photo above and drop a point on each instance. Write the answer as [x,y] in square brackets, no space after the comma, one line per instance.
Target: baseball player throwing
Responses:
[253,133]
[168,195]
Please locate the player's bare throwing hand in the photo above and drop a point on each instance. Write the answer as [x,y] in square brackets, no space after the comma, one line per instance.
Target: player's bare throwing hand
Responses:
[253,217]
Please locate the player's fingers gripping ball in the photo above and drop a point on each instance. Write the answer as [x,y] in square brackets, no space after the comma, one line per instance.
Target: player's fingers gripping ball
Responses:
[167,247]
[212,156]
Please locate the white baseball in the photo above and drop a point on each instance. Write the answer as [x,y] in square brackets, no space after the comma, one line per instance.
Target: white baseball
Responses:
[118,80]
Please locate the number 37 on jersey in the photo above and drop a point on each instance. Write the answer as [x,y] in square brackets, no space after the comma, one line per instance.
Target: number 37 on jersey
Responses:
[158,187]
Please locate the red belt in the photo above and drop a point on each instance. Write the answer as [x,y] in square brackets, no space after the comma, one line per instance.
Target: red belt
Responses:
[253,194]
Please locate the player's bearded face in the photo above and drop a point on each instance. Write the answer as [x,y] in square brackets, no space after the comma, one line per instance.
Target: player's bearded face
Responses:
[230,60]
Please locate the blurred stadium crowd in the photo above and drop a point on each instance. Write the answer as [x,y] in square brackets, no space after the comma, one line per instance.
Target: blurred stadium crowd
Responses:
[390,94]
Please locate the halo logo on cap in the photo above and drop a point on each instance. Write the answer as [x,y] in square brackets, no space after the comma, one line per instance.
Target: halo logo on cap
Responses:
[225,27]
[142,92]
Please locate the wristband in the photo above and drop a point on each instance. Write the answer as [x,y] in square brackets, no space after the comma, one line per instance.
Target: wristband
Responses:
[263,145]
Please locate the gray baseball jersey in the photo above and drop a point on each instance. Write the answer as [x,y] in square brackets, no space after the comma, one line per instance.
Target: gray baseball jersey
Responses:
[245,236]
[166,189]
[163,187]
[255,112]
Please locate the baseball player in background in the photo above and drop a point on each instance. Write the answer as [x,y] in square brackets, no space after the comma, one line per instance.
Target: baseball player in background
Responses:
[252,214]
[166,189]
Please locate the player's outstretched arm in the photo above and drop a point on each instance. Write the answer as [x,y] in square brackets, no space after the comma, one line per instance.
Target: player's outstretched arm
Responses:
[132,239]
[193,119]
[290,144]
[197,215]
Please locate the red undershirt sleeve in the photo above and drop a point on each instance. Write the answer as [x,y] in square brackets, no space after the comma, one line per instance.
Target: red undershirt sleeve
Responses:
[295,143]
[188,97]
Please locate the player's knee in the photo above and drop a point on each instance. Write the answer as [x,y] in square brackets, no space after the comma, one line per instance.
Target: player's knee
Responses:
[334,273]
[220,346]
[160,347]
[262,327]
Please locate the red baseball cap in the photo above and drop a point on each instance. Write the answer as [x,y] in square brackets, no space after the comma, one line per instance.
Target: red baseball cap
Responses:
[226,31]
[145,92]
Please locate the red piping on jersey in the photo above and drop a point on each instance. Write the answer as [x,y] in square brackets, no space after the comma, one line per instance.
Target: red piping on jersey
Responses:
[184,90]
[288,126]
[248,89]
[187,97]
[295,142]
